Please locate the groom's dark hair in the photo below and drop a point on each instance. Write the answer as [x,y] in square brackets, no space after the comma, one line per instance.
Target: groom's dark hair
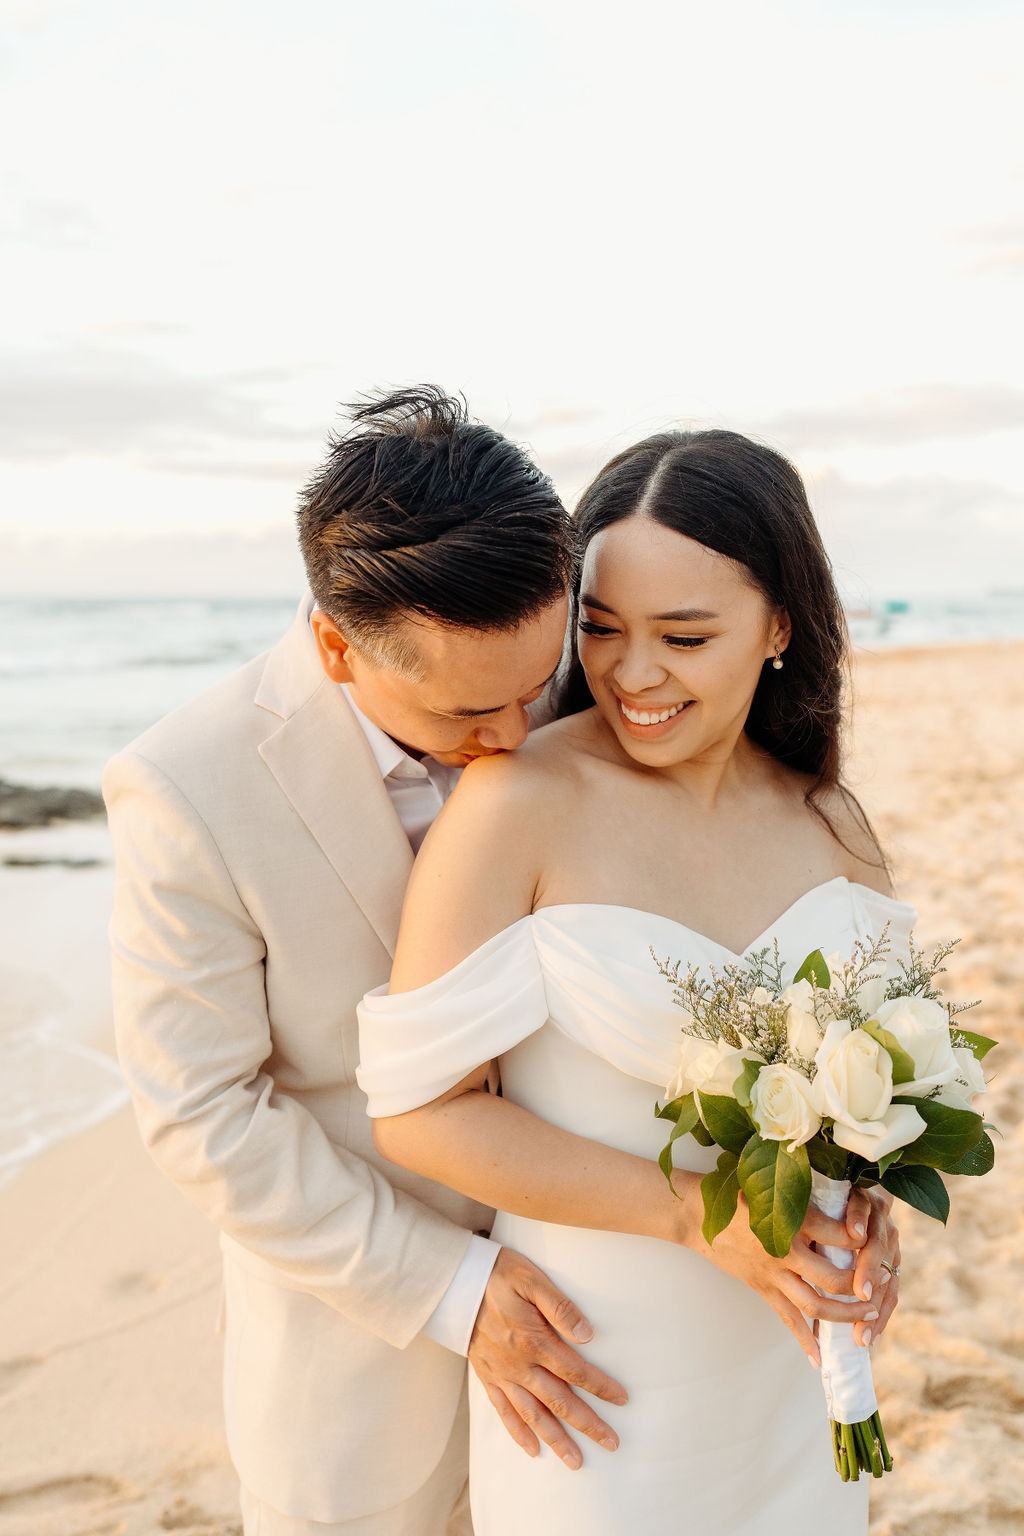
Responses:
[417,511]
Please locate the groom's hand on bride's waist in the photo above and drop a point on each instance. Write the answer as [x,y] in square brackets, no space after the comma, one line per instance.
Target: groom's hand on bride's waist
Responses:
[521,1353]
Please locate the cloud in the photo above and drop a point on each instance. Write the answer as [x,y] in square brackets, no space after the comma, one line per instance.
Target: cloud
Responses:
[916,413]
[91,400]
[999,247]
[554,417]
[126,326]
[294,472]
[907,536]
[919,533]
[50,223]
[265,563]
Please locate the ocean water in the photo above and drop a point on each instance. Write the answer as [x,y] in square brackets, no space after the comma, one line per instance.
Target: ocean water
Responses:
[78,680]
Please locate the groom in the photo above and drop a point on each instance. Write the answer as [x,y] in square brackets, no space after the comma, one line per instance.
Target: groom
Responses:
[264,835]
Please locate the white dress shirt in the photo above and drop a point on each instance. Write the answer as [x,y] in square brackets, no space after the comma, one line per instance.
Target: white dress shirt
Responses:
[418,789]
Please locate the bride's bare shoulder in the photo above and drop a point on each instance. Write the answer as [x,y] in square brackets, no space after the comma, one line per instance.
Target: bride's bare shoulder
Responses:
[861,855]
[552,759]
[478,870]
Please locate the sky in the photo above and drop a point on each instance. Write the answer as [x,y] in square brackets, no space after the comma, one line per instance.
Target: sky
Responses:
[220,219]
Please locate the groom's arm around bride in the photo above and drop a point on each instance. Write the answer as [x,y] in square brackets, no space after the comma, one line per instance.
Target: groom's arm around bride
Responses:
[264,836]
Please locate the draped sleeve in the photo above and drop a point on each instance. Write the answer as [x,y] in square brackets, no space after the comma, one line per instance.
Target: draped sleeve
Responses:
[873,912]
[414,1046]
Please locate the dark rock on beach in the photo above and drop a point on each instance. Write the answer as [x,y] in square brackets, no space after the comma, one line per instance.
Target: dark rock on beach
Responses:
[27,805]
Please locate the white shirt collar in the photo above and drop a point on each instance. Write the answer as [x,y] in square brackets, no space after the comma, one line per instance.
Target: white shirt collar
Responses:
[387,754]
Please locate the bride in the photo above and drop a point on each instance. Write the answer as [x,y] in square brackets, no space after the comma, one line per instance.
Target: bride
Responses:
[689,803]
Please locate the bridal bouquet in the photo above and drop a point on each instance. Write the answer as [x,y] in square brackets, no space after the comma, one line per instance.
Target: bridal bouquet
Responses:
[847,1077]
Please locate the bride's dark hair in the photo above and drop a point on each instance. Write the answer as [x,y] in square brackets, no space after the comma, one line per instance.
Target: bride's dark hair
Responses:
[747,502]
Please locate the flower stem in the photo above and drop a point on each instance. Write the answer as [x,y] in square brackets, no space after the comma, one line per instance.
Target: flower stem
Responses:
[876,1422]
[850,1445]
[860,1447]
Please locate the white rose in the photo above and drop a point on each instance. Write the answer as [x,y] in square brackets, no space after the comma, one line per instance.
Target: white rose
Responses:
[682,1083]
[803,1032]
[869,995]
[761,997]
[921,1028]
[716,1068]
[969,1081]
[782,1106]
[853,1086]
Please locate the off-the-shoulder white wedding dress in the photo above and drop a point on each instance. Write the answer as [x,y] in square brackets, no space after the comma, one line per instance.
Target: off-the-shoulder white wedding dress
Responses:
[725,1432]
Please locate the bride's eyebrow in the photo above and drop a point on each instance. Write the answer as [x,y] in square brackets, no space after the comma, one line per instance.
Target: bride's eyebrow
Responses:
[680,616]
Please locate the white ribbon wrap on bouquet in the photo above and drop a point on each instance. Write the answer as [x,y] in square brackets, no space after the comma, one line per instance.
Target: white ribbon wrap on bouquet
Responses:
[845,1365]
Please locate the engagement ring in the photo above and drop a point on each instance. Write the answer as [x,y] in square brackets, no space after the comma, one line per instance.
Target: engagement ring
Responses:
[893,1269]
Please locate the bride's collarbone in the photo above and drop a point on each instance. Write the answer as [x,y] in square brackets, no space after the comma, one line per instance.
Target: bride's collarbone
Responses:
[724,884]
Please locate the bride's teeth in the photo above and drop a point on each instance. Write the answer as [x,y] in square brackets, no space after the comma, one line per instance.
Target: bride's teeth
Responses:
[645,717]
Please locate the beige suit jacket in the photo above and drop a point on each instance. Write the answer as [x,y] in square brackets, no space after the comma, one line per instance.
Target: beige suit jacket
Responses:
[260,876]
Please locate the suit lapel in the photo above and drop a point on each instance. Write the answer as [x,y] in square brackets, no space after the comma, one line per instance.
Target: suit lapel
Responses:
[324,766]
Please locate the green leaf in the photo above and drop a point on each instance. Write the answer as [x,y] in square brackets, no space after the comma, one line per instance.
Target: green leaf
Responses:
[674,1108]
[827,1158]
[950,1134]
[920,1187]
[980,1159]
[814,970]
[979,1044]
[721,1192]
[870,1174]
[777,1185]
[746,1080]
[685,1122]
[728,1122]
[702,1135]
[902,1063]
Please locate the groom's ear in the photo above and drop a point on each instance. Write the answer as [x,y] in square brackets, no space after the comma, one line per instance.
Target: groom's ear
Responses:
[333,647]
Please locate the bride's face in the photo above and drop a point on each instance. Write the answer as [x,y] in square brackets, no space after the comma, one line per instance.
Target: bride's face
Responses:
[673,638]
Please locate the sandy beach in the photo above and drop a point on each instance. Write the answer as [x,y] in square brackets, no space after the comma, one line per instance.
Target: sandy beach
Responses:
[110,1420]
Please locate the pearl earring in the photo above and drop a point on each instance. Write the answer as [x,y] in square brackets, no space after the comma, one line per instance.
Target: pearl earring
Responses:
[777,663]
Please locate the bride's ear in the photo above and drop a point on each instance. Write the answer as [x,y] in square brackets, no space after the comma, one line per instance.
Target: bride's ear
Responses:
[332,646]
[779,634]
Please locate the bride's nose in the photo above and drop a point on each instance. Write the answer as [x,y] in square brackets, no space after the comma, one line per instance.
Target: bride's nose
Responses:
[638,668]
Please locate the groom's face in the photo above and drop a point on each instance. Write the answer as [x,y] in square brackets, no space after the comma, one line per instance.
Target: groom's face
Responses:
[470,700]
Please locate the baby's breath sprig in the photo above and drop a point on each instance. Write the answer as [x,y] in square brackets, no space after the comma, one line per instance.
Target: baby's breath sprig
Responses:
[738,1004]
[916,974]
[916,978]
[867,961]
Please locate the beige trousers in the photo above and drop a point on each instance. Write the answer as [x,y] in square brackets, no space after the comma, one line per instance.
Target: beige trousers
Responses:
[439,1508]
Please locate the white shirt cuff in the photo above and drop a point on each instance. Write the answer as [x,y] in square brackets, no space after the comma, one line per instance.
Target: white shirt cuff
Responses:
[453,1319]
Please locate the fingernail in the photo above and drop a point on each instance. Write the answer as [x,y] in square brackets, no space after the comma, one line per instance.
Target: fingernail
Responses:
[865,1337]
[610,1444]
[859,1229]
[869,1317]
[622,1400]
[573,1460]
[583,1331]
[814,1364]
[867,1290]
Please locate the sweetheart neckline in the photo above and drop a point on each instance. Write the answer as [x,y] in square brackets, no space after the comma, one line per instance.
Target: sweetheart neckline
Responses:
[823,885]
